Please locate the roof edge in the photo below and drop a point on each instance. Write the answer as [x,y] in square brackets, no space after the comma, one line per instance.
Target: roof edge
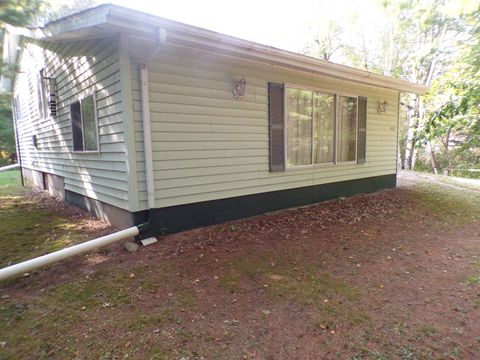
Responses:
[178,33]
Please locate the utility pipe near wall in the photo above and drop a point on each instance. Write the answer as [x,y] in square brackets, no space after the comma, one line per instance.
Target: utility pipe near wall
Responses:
[29,265]
[147,137]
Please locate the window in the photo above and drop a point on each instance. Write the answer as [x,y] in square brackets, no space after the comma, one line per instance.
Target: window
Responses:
[311,127]
[299,127]
[347,128]
[313,120]
[84,124]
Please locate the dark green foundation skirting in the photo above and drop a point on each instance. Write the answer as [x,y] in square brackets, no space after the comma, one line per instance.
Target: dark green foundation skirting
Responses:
[183,217]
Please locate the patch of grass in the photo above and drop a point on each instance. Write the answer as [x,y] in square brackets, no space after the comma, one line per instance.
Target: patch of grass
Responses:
[93,291]
[400,328]
[27,228]
[476,302]
[11,312]
[184,299]
[90,309]
[452,207]
[304,284]
[426,330]
[143,322]
[284,279]
[229,281]
[370,354]
[472,280]
[9,182]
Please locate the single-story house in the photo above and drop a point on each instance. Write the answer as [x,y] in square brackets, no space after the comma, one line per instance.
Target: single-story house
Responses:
[130,116]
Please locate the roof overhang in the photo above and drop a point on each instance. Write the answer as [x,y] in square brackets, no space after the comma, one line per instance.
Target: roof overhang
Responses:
[105,20]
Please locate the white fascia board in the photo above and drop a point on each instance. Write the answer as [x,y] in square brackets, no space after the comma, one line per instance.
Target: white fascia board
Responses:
[89,18]
[191,36]
[123,19]
[292,60]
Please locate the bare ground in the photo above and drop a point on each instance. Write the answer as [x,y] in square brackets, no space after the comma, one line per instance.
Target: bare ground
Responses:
[390,275]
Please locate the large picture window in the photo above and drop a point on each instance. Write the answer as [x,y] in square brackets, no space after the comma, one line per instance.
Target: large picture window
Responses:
[84,124]
[321,127]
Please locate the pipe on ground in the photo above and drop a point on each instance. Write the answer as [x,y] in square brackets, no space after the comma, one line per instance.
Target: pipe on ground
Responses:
[29,265]
[9,167]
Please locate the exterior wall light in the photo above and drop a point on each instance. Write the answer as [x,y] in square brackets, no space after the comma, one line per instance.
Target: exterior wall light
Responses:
[240,88]
[382,107]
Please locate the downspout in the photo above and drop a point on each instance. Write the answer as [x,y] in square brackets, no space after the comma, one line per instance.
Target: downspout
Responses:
[147,229]
[147,137]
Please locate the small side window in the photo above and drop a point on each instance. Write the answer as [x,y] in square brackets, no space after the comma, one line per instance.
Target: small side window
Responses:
[84,124]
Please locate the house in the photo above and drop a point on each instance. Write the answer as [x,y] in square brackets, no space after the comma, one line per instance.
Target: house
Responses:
[131,116]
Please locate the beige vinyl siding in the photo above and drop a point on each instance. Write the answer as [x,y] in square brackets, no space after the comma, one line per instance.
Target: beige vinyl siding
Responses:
[80,68]
[208,146]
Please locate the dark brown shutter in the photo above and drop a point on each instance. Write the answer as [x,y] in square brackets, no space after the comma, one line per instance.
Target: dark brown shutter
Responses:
[362,130]
[276,126]
[77,131]
[52,101]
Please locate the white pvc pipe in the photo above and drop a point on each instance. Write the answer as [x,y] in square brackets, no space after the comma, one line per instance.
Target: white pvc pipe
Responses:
[29,265]
[147,137]
[9,167]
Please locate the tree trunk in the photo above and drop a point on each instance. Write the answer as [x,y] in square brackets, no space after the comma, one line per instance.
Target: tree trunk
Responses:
[432,158]
[447,148]
[408,159]
[416,121]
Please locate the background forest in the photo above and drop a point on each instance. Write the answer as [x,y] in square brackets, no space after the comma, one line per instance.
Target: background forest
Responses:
[432,42]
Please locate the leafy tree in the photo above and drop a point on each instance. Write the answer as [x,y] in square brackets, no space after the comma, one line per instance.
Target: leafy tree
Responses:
[7,139]
[20,12]
[16,13]
[418,41]
[23,13]
[454,119]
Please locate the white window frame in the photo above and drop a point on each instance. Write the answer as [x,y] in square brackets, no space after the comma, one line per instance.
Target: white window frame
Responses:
[335,134]
[80,99]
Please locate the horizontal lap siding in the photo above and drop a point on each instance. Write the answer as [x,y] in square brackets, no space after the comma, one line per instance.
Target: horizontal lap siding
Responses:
[207,146]
[79,68]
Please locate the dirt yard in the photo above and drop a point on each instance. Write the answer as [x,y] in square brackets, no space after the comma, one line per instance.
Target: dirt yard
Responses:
[390,275]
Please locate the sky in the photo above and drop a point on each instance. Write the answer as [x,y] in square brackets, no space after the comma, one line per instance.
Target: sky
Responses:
[289,25]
